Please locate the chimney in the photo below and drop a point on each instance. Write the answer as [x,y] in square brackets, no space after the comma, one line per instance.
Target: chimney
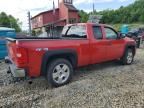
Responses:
[58,3]
[66,1]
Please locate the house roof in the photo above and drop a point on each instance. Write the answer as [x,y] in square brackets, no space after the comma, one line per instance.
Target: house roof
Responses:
[44,12]
[6,29]
[71,7]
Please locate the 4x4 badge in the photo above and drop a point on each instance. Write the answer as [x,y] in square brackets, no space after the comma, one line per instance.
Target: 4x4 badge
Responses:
[42,49]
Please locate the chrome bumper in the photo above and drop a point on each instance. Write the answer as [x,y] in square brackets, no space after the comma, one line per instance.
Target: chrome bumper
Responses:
[16,72]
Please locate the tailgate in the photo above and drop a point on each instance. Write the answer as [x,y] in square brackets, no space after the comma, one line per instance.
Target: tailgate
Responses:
[11,46]
[17,54]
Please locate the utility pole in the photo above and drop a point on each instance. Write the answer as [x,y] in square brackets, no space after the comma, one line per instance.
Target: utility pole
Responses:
[54,12]
[29,23]
[93,8]
[10,23]
[58,3]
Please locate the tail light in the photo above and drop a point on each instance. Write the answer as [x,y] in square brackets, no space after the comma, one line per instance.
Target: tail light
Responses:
[22,57]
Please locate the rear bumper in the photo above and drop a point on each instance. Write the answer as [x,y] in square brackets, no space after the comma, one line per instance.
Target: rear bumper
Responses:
[15,71]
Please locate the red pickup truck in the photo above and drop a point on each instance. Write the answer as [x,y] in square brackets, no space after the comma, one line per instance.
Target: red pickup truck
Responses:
[79,45]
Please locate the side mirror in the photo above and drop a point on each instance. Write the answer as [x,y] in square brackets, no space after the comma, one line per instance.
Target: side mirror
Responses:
[121,35]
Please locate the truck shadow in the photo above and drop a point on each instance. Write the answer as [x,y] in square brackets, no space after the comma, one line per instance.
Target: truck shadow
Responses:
[87,71]
[102,68]
[80,74]
[41,83]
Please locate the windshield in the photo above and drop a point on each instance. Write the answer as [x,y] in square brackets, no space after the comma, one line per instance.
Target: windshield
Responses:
[74,31]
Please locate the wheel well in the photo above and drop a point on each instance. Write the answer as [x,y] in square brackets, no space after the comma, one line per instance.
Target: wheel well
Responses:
[133,49]
[70,57]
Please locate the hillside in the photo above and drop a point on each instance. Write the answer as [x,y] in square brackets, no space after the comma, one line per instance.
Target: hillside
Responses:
[130,14]
[133,13]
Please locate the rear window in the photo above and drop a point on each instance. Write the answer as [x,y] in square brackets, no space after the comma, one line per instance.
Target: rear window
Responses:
[74,31]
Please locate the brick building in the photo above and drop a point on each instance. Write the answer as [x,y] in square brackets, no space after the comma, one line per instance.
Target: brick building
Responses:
[52,21]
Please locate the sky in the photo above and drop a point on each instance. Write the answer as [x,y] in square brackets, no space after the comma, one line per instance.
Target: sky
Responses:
[19,8]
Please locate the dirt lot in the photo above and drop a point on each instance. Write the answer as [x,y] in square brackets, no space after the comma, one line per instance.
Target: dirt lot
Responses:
[107,85]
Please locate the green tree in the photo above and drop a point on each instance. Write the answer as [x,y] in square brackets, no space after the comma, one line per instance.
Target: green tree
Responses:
[9,21]
[83,16]
[15,23]
[130,14]
[4,20]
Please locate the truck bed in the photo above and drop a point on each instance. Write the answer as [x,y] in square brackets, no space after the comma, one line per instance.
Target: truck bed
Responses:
[43,38]
[37,38]
[31,38]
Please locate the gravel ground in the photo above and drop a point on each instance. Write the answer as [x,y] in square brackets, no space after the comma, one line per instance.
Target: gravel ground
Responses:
[107,85]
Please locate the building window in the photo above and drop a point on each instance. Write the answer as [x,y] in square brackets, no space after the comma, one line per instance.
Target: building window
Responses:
[34,20]
[68,1]
[39,19]
[72,20]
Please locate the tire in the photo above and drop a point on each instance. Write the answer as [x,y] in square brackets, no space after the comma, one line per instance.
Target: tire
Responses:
[138,42]
[128,57]
[59,72]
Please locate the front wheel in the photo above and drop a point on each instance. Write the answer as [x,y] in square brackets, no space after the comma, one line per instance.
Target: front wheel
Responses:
[59,72]
[128,57]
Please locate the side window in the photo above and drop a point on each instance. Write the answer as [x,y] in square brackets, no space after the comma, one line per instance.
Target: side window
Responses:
[97,32]
[77,31]
[110,33]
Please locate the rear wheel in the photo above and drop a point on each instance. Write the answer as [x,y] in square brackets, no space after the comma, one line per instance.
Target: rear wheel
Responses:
[128,57]
[59,72]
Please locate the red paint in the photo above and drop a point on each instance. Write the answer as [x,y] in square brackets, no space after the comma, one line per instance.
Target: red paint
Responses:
[49,17]
[73,14]
[63,12]
[60,18]
[89,51]
[37,21]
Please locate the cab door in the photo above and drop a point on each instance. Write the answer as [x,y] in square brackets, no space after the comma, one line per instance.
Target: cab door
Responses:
[115,45]
[98,45]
